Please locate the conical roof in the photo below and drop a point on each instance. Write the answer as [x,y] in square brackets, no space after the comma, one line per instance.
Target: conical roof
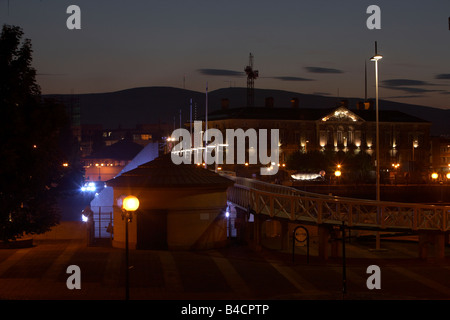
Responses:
[162,172]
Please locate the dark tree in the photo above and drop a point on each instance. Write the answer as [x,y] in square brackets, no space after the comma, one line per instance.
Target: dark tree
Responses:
[31,154]
[311,162]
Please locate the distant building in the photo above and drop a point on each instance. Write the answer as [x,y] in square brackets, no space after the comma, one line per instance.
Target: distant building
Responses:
[106,163]
[404,139]
[91,134]
[94,136]
[440,154]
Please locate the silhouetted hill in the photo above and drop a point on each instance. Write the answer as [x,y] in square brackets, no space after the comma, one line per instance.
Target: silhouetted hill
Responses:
[129,107]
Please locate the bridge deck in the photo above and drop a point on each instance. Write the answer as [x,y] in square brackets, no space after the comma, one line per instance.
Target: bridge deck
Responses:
[284,202]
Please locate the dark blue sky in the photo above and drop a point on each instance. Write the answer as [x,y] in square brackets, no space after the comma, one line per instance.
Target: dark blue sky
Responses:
[302,46]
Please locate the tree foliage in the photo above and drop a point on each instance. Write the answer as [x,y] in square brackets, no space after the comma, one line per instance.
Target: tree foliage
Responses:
[34,137]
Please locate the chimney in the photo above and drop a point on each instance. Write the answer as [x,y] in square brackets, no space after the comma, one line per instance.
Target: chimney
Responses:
[269,102]
[225,103]
[294,103]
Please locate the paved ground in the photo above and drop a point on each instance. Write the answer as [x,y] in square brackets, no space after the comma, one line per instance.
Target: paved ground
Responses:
[235,272]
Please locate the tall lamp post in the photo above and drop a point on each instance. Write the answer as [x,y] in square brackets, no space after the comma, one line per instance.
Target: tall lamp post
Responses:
[129,205]
[375,59]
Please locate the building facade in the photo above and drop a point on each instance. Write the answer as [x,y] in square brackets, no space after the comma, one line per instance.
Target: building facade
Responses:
[440,156]
[404,139]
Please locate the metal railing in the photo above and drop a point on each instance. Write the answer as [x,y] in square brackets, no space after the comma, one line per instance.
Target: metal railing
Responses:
[296,205]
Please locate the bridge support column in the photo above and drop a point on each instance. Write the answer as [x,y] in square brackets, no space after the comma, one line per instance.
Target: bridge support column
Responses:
[241,223]
[324,233]
[431,244]
[257,225]
[285,235]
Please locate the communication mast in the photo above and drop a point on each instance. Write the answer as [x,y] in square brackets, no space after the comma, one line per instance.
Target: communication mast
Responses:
[251,76]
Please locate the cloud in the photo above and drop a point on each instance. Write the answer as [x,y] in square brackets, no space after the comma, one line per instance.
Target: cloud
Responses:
[405,82]
[407,96]
[221,72]
[322,70]
[445,76]
[411,90]
[287,78]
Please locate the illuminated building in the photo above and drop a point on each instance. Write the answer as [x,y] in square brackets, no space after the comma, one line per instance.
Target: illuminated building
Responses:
[404,139]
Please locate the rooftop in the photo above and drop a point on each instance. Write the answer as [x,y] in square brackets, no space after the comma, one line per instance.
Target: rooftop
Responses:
[122,150]
[162,172]
[311,114]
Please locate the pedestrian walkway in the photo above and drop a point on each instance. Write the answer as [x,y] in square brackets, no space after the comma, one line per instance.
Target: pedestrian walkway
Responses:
[231,273]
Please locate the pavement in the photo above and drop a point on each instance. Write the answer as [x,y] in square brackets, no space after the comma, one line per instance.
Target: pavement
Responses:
[235,272]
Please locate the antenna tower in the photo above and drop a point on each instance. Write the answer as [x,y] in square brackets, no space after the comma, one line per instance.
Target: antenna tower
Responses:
[251,76]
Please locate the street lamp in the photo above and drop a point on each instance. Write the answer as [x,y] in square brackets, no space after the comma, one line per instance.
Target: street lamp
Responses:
[338,173]
[415,144]
[129,205]
[375,59]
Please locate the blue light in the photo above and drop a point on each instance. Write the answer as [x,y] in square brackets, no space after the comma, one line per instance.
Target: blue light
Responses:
[89,187]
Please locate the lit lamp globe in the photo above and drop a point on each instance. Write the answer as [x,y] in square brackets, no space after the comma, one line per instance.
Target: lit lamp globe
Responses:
[130,203]
[337,173]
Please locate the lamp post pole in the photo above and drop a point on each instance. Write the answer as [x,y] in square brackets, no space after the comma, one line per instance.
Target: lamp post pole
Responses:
[377,131]
[129,205]
[375,58]
[127,268]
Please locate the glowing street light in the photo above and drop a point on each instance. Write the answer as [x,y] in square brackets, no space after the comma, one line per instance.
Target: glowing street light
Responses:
[434,176]
[129,205]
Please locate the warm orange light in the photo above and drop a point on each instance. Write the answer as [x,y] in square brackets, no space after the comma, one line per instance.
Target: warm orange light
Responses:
[130,203]
[65,164]
[434,175]
[337,173]
[246,163]
[448,176]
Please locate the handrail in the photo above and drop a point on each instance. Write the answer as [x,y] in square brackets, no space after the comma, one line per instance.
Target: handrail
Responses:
[261,185]
[289,203]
